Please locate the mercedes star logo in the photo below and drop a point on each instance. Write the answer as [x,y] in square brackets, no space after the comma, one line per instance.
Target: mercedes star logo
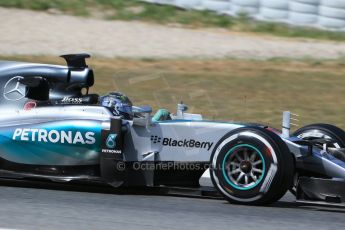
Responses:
[14,90]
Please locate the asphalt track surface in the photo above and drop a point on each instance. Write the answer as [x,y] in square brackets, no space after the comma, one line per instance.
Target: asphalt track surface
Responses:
[39,206]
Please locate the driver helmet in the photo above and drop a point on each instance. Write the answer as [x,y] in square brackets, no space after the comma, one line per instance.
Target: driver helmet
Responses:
[119,104]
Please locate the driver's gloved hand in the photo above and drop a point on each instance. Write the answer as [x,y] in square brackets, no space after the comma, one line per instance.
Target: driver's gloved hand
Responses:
[161,115]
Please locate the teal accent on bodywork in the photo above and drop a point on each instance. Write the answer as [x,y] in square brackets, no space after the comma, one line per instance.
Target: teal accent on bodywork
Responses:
[16,150]
[224,169]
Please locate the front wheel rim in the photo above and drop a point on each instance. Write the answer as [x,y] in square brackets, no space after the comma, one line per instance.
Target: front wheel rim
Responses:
[243,167]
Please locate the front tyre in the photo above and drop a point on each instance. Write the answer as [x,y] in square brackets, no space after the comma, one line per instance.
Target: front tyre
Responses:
[322,131]
[252,166]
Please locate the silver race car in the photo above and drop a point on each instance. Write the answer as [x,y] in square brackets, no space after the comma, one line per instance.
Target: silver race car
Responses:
[51,128]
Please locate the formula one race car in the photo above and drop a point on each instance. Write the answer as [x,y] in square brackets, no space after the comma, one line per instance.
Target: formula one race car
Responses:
[51,128]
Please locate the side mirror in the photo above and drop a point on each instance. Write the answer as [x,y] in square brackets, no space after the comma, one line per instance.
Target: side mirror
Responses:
[181,109]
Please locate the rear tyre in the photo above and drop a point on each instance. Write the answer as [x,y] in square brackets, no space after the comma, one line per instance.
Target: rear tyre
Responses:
[252,166]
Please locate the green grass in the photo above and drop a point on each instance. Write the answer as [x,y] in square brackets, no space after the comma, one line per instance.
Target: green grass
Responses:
[255,91]
[133,10]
